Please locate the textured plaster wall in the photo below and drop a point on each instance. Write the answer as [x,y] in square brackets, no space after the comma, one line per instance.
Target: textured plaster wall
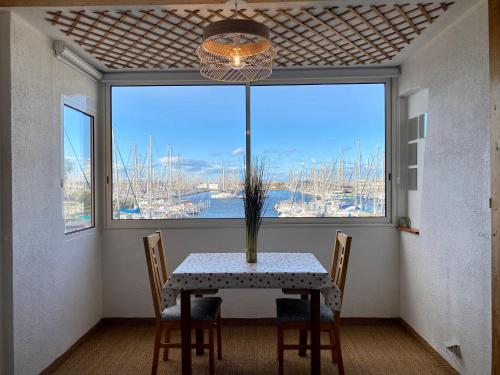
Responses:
[417,105]
[5,231]
[372,288]
[57,278]
[445,272]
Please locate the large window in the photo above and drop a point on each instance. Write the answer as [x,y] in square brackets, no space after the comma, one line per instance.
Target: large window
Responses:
[78,174]
[324,146]
[178,152]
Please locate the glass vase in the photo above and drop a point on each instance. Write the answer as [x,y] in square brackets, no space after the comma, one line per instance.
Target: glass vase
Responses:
[251,247]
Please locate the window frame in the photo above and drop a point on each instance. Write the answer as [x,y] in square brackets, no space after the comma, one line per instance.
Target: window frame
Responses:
[390,83]
[78,106]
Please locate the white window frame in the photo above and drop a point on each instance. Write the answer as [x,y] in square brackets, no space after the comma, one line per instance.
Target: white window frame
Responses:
[385,76]
[79,103]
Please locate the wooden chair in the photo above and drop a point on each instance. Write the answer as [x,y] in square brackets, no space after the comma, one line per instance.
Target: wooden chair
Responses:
[205,311]
[294,313]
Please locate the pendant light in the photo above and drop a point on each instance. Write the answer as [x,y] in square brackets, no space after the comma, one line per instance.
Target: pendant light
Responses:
[236,50]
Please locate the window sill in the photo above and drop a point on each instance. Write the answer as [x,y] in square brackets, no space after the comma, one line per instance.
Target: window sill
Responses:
[239,223]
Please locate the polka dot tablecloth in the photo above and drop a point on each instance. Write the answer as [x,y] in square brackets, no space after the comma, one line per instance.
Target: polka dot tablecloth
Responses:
[231,271]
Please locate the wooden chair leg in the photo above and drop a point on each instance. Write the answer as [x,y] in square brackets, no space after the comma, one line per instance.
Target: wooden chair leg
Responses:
[167,340]
[303,342]
[211,369]
[280,349]
[332,343]
[199,342]
[219,339]
[340,362]
[156,354]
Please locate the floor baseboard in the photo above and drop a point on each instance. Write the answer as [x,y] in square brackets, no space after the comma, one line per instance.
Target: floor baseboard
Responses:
[350,321]
[408,328]
[72,348]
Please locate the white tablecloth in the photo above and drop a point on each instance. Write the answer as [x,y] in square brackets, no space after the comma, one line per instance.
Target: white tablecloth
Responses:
[231,271]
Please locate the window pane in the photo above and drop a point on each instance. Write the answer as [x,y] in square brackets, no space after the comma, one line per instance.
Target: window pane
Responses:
[78,170]
[177,151]
[324,146]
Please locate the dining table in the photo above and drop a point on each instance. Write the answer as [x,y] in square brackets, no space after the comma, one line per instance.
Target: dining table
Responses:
[207,271]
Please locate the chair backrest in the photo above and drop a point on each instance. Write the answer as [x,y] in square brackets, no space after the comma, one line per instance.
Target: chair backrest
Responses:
[157,269]
[340,259]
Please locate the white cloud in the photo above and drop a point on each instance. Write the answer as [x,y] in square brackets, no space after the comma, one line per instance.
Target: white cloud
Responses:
[238,151]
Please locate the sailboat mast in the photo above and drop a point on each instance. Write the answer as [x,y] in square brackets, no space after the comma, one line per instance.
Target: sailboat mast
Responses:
[302,183]
[358,198]
[375,184]
[223,178]
[178,181]
[341,171]
[150,177]
[170,177]
[117,174]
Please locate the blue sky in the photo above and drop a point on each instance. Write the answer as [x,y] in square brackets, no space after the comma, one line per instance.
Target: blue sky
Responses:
[76,134]
[291,125]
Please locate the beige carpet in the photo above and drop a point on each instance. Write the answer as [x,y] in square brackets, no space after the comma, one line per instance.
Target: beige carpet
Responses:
[251,350]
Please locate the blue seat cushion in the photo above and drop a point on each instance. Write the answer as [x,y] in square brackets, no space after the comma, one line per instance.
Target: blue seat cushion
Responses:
[294,310]
[203,309]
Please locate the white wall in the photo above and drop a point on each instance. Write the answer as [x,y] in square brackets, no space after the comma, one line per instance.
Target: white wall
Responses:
[445,272]
[372,288]
[5,248]
[418,104]
[57,278]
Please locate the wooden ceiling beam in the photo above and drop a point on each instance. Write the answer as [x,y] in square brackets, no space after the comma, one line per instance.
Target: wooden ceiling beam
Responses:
[494,60]
[353,30]
[305,39]
[122,16]
[408,19]
[127,47]
[126,42]
[390,24]
[282,52]
[426,14]
[82,3]
[372,28]
[320,35]
[146,36]
[168,38]
[144,60]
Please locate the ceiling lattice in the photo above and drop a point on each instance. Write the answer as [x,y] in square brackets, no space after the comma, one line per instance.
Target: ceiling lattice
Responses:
[168,38]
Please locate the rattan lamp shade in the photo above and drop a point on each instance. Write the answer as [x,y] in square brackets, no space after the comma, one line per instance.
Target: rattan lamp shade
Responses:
[236,50]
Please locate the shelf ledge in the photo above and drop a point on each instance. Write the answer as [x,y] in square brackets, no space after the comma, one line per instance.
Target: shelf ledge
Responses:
[409,230]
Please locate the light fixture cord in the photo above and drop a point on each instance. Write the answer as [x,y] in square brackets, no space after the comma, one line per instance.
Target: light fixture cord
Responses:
[236,9]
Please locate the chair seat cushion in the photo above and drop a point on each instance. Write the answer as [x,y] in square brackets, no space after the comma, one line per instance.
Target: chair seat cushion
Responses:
[299,311]
[203,309]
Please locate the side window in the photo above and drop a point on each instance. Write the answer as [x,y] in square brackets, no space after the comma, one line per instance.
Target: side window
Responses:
[78,170]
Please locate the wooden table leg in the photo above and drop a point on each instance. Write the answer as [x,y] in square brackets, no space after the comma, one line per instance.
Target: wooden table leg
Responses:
[315,333]
[186,332]
[199,336]
[303,334]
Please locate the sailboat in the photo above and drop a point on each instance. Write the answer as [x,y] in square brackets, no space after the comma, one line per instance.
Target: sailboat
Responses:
[223,193]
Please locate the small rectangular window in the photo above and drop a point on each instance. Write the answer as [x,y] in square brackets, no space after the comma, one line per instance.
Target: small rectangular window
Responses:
[412,154]
[413,129]
[78,170]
